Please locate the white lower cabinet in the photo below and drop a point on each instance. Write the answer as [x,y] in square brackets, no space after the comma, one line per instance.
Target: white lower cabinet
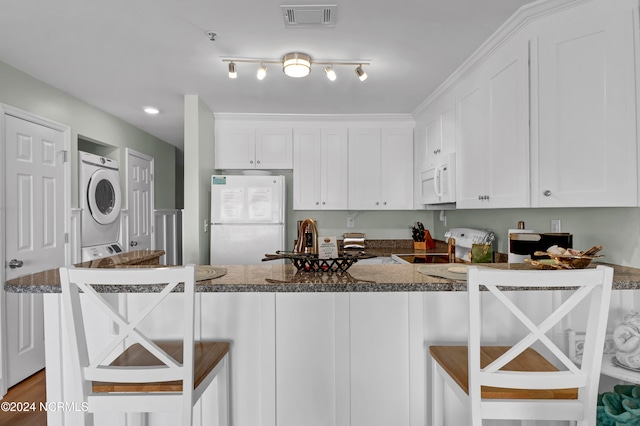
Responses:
[379,354]
[348,359]
[312,359]
[586,151]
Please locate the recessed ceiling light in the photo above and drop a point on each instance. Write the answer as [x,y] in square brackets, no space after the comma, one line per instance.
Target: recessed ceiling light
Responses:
[151,110]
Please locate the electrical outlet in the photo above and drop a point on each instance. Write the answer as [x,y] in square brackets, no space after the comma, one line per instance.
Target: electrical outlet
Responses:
[351,222]
[556,226]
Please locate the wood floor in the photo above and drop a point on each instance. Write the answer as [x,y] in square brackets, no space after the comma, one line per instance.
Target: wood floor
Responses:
[31,390]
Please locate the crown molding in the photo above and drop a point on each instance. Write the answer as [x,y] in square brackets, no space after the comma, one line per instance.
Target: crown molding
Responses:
[519,21]
[312,118]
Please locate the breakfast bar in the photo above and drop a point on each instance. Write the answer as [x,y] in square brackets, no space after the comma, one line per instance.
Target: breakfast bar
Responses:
[312,348]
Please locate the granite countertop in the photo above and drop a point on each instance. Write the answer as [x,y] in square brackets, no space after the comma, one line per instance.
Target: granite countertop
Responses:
[283,278]
[49,281]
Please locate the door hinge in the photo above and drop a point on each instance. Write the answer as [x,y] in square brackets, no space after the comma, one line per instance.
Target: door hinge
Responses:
[151,177]
[66,237]
[65,155]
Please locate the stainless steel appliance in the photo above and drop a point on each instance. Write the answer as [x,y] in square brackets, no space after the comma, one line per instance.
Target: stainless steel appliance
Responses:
[466,238]
[526,244]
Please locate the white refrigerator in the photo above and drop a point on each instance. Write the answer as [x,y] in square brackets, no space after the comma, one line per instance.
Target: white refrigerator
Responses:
[247,218]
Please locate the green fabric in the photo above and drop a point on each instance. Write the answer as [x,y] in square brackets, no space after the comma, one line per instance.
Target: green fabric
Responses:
[620,407]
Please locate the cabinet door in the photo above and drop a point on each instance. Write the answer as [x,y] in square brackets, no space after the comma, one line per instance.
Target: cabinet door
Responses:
[507,168]
[334,157]
[274,148]
[586,145]
[364,169]
[235,148]
[312,359]
[396,170]
[433,139]
[448,124]
[306,169]
[380,359]
[472,148]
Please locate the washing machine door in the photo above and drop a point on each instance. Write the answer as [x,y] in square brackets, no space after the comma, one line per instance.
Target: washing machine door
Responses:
[103,196]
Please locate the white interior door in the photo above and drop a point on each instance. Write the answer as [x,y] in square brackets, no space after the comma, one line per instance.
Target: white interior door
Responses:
[35,233]
[139,200]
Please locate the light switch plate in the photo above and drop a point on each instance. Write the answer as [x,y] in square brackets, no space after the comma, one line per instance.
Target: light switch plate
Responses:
[351,222]
[556,226]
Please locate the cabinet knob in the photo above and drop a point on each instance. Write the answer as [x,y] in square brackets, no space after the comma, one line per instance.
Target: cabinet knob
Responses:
[258,162]
[317,203]
[251,162]
[377,203]
[385,203]
[323,203]
[480,197]
[547,193]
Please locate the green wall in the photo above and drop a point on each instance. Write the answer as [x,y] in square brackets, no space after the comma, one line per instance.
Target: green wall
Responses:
[617,229]
[199,158]
[97,131]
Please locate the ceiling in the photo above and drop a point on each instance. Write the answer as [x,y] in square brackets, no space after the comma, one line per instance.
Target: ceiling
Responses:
[122,55]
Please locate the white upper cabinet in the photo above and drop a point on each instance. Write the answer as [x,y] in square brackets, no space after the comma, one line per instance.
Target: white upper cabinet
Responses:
[320,169]
[381,169]
[440,130]
[493,130]
[250,147]
[586,147]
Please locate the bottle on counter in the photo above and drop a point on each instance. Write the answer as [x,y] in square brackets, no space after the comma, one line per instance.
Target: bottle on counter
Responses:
[451,250]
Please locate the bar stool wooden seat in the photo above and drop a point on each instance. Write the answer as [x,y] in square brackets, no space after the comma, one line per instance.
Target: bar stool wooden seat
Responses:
[133,373]
[517,382]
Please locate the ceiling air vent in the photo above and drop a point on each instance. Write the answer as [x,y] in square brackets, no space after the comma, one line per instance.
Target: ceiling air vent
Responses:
[309,15]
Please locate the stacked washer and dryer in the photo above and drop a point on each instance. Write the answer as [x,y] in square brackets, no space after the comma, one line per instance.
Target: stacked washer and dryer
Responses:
[100,200]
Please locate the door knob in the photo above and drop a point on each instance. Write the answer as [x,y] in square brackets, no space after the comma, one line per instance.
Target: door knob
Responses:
[133,243]
[547,193]
[15,263]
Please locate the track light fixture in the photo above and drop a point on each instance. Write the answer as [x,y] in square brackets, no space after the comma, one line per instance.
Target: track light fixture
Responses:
[297,65]
[361,74]
[331,74]
[262,72]
[232,70]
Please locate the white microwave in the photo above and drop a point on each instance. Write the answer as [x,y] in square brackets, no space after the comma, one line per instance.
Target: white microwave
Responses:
[438,185]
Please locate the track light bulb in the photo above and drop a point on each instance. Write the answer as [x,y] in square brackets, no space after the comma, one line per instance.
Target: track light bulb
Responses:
[361,74]
[331,74]
[262,72]
[232,70]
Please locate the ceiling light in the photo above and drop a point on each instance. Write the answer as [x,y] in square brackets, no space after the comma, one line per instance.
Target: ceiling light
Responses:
[361,74]
[232,70]
[331,74]
[296,64]
[262,72]
[151,110]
